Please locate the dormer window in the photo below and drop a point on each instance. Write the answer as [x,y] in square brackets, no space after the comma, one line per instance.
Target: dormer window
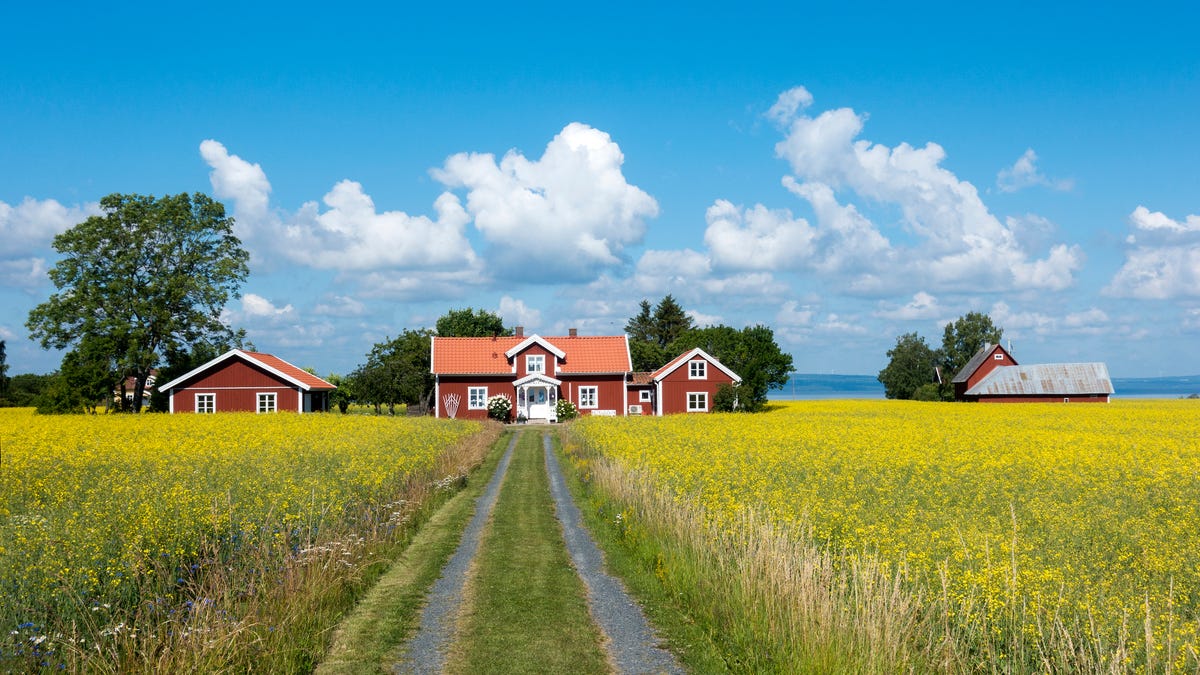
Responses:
[535,363]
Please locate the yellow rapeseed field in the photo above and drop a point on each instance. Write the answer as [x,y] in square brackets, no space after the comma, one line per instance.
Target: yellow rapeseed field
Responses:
[102,515]
[1017,520]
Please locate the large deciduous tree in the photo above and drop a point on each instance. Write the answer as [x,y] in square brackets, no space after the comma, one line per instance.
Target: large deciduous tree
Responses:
[752,353]
[149,275]
[396,371]
[961,339]
[911,365]
[470,322]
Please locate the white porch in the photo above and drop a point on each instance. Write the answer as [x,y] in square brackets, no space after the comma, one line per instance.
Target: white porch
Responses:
[537,397]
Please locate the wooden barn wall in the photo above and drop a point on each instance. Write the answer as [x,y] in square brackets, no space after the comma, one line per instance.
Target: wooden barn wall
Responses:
[1055,398]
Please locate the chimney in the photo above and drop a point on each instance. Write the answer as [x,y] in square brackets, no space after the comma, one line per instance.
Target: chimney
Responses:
[573,332]
[519,331]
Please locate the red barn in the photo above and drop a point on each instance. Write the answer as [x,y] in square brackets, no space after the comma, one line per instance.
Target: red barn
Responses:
[593,372]
[993,376]
[239,381]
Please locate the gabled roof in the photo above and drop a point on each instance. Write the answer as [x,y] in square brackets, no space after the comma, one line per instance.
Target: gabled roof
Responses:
[641,377]
[688,356]
[977,360]
[272,364]
[535,340]
[540,378]
[490,355]
[1045,379]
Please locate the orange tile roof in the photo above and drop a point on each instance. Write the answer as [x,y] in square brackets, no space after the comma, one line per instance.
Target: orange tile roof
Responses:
[642,377]
[291,371]
[485,355]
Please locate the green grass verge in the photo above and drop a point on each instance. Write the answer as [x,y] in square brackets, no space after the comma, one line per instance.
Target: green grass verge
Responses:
[526,606]
[637,558]
[368,640]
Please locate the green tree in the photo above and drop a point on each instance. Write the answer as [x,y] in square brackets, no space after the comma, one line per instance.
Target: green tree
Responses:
[470,322]
[343,396]
[149,275]
[961,339]
[84,381]
[752,353]
[25,388]
[652,331]
[396,371]
[911,365]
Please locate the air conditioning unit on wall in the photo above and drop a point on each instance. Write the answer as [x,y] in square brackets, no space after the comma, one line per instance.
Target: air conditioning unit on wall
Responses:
[635,410]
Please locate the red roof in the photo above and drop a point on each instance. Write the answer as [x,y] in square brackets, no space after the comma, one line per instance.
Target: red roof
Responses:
[299,376]
[485,355]
[291,371]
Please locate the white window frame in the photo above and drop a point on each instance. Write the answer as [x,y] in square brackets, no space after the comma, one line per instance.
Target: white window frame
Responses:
[210,399]
[589,397]
[998,356]
[698,369]
[264,396]
[701,397]
[539,359]
[477,398]
[645,396]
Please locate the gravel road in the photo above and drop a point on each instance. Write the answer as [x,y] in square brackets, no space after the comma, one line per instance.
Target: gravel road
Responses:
[631,644]
[426,652]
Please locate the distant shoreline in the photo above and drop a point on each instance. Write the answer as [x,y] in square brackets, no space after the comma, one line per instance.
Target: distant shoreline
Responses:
[816,386]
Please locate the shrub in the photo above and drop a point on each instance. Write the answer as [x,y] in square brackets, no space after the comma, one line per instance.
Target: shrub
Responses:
[725,400]
[565,410]
[499,407]
[928,392]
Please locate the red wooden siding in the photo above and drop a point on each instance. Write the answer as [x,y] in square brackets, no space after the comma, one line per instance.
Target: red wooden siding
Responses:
[1076,398]
[236,385]
[676,386]
[535,349]
[610,392]
[496,384]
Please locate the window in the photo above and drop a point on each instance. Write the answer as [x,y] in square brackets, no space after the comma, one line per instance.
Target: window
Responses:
[998,356]
[1066,400]
[697,401]
[697,370]
[644,396]
[476,398]
[535,363]
[588,397]
[206,403]
[266,402]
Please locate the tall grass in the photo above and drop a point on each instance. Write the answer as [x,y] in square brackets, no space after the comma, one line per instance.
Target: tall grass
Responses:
[189,544]
[781,594]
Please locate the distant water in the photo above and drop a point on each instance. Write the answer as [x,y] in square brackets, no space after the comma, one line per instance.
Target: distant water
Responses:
[814,386]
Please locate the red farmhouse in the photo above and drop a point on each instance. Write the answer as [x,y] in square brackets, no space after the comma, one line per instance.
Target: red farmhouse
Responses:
[239,381]
[993,376]
[593,372]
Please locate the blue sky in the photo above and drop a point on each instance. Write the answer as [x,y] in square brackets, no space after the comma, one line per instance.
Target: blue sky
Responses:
[843,175]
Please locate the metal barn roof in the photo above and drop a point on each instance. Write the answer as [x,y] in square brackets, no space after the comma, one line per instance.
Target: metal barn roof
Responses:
[1047,379]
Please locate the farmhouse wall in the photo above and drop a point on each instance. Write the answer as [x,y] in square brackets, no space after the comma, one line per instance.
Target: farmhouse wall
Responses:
[677,385]
[448,384]
[237,385]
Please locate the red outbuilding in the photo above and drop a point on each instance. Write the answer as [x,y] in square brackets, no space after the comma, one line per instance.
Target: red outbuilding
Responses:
[994,376]
[593,372]
[240,381]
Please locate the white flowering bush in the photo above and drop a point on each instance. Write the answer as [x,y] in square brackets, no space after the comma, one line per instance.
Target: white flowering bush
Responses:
[499,407]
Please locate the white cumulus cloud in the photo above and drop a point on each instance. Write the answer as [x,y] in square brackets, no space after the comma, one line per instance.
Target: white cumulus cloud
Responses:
[566,215]
[957,239]
[756,238]
[349,233]
[1024,173]
[922,306]
[516,313]
[1163,260]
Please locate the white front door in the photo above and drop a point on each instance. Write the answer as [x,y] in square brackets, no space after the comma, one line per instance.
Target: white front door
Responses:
[539,403]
